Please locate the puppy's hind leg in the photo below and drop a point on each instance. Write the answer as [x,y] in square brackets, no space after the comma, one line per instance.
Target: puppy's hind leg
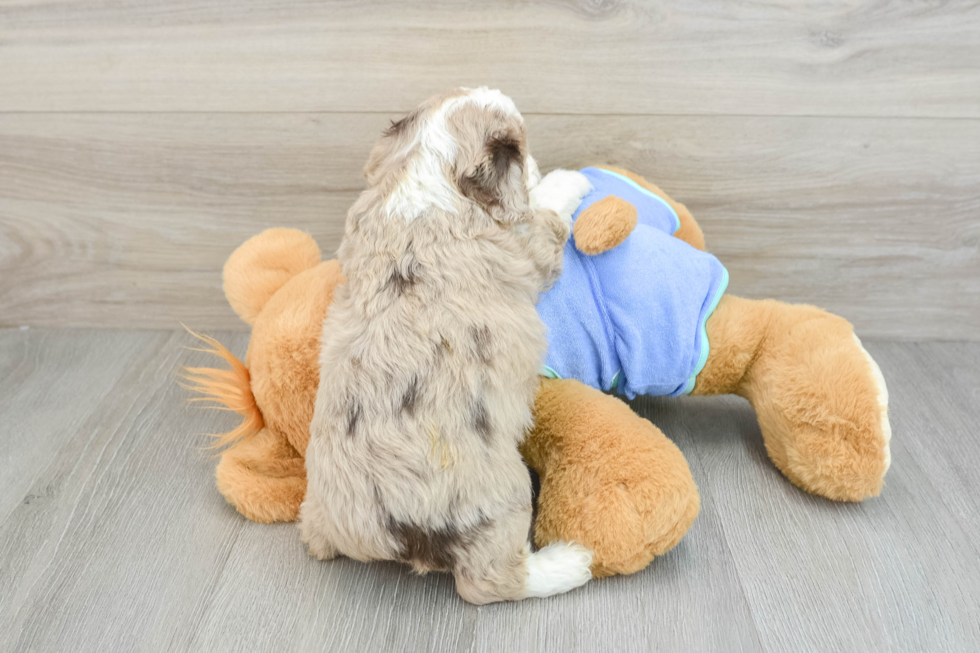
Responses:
[500,566]
[314,529]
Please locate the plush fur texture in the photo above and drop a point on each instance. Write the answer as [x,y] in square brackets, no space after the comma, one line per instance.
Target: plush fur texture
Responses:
[604,225]
[258,269]
[815,391]
[608,477]
[882,397]
[690,232]
[283,378]
[284,297]
[429,358]
[228,388]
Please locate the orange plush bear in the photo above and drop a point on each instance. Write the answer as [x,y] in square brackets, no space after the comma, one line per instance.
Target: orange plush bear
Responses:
[609,479]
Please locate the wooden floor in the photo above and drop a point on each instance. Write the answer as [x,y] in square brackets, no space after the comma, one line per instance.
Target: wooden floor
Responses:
[114,538]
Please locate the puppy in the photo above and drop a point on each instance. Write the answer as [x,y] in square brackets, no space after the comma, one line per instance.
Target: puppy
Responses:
[430,354]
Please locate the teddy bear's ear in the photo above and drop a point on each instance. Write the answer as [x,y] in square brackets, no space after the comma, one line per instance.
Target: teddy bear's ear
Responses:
[604,225]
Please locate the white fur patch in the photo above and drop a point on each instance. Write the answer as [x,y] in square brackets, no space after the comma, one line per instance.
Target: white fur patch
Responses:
[425,185]
[886,429]
[561,191]
[557,568]
[533,173]
[490,97]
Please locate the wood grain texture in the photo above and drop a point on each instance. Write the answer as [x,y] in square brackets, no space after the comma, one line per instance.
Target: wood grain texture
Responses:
[110,527]
[888,574]
[126,219]
[933,411]
[33,367]
[118,540]
[777,57]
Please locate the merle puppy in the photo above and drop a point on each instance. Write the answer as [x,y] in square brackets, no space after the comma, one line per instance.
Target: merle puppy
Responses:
[430,355]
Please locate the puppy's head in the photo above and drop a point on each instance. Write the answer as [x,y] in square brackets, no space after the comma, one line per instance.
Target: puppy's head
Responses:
[467,146]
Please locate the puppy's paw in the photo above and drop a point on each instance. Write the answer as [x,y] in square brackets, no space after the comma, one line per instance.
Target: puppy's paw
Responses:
[321,550]
[559,226]
[316,541]
[561,191]
[557,568]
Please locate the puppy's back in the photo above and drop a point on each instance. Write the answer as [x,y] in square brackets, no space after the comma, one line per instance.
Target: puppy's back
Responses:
[428,374]
[429,357]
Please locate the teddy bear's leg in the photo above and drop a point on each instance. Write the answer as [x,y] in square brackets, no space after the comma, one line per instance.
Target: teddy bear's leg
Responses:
[283,354]
[264,477]
[821,401]
[610,479]
[689,230]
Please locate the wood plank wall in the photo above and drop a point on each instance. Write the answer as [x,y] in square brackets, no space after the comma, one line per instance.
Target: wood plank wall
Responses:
[831,151]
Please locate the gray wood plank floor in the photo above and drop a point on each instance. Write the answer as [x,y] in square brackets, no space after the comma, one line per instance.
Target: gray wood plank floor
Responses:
[113,537]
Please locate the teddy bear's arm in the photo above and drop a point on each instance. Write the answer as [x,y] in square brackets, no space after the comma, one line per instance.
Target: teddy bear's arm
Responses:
[604,225]
[600,227]
[690,232]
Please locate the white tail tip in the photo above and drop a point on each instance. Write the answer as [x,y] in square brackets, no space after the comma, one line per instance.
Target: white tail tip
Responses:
[557,568]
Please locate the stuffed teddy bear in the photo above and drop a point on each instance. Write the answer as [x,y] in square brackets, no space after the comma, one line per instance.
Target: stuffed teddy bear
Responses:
[640,309]
[609,478]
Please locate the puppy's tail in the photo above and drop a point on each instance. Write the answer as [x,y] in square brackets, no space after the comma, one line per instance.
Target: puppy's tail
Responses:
[231,389]
[263,264]
[558,567]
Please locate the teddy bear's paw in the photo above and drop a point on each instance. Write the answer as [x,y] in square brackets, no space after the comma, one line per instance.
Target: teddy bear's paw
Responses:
[823,411]
[262,477]
[561,191]
[879,379]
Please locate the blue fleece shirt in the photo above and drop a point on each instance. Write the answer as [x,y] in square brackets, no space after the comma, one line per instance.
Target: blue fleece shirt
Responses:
[632,319]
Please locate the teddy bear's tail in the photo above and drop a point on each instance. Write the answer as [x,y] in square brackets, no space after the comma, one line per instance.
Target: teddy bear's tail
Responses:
[253,274]
[231,389]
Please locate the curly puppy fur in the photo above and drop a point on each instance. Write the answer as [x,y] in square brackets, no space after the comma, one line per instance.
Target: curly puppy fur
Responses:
[429,358]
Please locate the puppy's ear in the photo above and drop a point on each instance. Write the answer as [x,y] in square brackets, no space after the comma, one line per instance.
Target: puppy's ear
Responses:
[495,178]
[394,139]
[372,169]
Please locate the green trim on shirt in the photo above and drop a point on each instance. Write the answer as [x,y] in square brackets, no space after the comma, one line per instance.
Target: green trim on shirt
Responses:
[705,346]
[544,370]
